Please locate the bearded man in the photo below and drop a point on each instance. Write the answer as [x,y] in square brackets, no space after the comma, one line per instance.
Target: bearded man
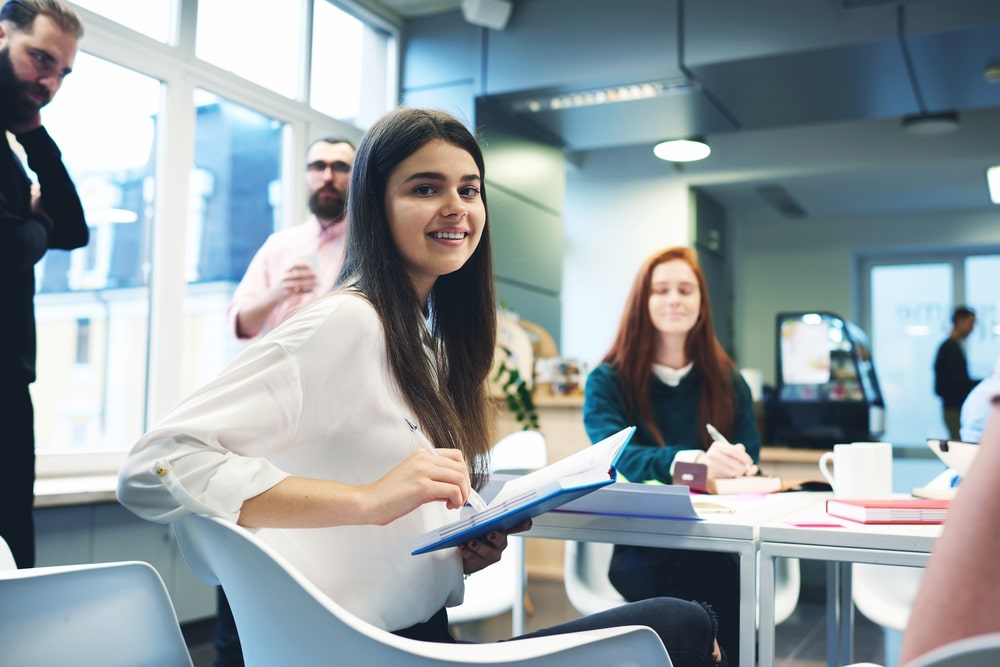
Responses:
[38,44]
[299,264]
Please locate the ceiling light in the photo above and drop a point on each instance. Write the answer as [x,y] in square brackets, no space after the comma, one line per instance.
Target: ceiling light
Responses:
[612,94]
[682,150]
[931,124]
[993,180]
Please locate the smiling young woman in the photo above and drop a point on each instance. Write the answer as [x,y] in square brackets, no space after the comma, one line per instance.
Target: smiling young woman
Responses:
[326,422]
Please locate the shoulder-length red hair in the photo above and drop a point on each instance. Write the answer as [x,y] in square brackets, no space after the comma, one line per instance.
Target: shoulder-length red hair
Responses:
[632,353]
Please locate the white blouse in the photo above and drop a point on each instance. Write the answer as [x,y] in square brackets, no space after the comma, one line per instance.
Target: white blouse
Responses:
[314,398]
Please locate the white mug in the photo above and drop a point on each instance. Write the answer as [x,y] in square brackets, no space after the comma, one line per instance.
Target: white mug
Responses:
[860,469]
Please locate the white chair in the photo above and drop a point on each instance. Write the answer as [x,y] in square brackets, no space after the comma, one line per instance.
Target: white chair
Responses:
[787,585]
[107,614]
[585,575]
[981,651]
[283,619]
[6,557]
[884,594]
[585,572]
[499,588]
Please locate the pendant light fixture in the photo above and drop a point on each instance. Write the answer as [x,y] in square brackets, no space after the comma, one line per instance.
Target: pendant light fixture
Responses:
[682,150]
[923,123]
[690,149]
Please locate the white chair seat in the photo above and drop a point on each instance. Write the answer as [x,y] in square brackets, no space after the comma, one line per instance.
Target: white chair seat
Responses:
[283,619]
[107,614]
[981,651]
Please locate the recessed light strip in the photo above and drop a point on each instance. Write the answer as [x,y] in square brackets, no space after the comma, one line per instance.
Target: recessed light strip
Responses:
[610,95]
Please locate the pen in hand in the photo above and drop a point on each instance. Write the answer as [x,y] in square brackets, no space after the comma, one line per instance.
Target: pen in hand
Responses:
[718,437]
[474,500]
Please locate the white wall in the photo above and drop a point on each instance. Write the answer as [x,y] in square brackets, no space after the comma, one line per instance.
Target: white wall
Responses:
[618,212]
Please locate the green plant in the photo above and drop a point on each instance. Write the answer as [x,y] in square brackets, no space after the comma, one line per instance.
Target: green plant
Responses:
[518,396]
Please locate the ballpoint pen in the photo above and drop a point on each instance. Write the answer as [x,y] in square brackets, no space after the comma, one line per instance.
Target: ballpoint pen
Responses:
[718,437]
[714,433]
[475,500]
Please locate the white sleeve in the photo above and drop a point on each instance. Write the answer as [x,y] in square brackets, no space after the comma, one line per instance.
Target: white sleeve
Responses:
[211,453]
[685,456]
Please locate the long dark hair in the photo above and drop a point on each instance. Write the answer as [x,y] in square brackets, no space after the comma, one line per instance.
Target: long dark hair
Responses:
[450,399]
[634,349]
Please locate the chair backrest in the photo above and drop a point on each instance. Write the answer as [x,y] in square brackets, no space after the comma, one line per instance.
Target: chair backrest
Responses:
[585,574]
[885,593]
[108,614]
[980,651]
[6,557]
[519,452]
[787,585]
[495,590]
[283,619]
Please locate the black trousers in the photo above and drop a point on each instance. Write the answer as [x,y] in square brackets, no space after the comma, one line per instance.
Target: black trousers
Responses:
[712,577]
[17,471]
[228,650]
[687,629]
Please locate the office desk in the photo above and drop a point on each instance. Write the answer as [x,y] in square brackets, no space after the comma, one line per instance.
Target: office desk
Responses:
[898,544]
[736,532]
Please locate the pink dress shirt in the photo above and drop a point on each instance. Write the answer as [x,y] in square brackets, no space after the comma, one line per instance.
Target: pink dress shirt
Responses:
[282,249]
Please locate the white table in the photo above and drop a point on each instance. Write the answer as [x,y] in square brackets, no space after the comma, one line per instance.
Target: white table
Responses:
[897,544]
[735,532]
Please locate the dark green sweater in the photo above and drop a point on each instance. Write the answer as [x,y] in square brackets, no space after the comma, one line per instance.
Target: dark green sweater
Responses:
[676,412]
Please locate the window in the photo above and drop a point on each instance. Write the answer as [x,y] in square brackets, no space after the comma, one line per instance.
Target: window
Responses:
[259,40]
[149,17]
[911,302]
[90,376]
[354,94]
[231,212]
[182,167]
[982,275]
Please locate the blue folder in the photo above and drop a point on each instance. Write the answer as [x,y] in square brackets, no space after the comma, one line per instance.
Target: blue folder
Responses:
[534,500]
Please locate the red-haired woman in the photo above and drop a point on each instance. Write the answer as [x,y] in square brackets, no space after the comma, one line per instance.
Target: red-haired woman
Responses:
[667,373]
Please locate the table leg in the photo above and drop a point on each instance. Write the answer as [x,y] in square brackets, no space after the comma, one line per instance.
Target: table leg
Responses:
[832,600]
[846,614]
[517,548]
[766,602]
[748,614]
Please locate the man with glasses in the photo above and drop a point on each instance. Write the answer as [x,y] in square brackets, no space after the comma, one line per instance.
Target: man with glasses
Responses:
[38,44]
[299,264]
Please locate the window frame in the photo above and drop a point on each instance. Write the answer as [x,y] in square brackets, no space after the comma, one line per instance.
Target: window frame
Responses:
[174,64]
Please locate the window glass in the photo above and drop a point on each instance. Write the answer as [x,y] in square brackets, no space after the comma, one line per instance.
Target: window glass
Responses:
[94,300]
[982,275]
[234,204]
[255,39]
[910,311]
[335,89]
[152,18]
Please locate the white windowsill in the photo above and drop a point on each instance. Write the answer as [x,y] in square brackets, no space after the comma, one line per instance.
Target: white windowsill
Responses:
[76,478]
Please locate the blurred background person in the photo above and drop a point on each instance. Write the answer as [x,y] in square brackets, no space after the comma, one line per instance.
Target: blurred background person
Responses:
[951,370]
[667,374]
[301,263]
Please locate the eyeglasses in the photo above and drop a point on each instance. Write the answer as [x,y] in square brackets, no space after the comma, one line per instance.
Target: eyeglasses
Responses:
[320,167]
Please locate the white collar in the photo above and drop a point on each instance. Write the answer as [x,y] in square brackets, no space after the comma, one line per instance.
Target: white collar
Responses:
[671,376]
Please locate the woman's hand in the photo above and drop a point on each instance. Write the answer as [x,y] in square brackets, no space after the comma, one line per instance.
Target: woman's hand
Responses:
[422,477]
[477,554]
[725,460]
